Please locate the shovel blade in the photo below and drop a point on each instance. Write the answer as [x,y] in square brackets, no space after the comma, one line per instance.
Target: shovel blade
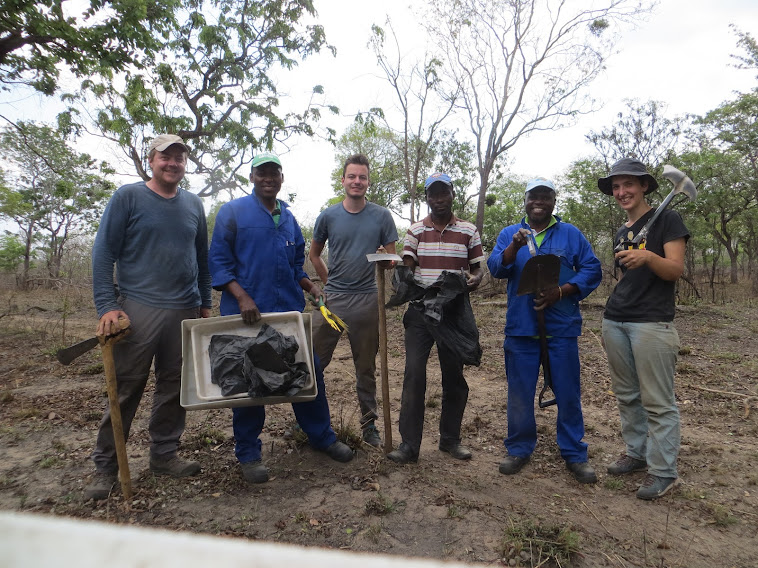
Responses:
[540,273]
[682,183]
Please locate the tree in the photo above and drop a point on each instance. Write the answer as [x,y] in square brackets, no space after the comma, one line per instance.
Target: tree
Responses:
[95,37]
[456,159]
[423,107]
[381,146]
[642,131]
[721,199]
[522,66]
[584,205]
[505,206]
[215,85]
[734,125]
[11,252]
[750,45]
[50,191]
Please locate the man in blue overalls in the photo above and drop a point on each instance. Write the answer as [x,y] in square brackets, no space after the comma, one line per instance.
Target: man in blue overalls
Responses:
[256,258]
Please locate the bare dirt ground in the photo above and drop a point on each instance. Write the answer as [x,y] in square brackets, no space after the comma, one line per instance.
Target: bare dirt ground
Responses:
[438,508]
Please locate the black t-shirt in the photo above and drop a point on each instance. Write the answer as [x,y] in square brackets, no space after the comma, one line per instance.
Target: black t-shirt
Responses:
[641,296]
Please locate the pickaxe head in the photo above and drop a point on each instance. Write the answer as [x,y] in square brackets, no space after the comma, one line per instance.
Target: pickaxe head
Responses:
[682,184]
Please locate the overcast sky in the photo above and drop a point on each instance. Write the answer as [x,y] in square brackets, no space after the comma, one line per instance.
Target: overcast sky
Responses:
[680,56]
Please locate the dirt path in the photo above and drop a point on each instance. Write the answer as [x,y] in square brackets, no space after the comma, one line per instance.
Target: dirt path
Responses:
[438,508]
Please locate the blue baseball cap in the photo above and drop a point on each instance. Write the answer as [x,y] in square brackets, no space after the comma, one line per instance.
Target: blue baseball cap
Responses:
[438,177]
[539,182]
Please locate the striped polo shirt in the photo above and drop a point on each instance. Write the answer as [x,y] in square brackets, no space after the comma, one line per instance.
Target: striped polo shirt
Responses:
[457,246]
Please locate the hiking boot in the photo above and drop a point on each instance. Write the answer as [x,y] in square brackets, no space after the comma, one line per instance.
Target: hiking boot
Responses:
[582,472]
[371,436]
[654,487]
[254,472]
[403,454]
[458,451]
[626,464]
[339,452]
[173,466]
[101,486]
[513,464]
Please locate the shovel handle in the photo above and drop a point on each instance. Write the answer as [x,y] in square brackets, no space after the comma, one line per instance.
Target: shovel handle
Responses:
[116,423]
[111,384]
[383,366]
[545,358]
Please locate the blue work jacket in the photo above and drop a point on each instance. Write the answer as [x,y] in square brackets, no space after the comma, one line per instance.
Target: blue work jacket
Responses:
[579,266]
[265,259]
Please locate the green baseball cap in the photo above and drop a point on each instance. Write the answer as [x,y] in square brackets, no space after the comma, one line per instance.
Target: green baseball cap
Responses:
[265,158]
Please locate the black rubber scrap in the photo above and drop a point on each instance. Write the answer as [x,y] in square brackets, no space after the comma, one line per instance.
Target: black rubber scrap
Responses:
[262,366]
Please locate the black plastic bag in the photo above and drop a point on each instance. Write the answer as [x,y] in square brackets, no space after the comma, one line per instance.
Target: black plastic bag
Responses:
[261,366]
[446,308]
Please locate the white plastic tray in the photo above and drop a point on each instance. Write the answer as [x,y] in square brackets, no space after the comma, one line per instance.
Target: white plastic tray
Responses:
[197,390]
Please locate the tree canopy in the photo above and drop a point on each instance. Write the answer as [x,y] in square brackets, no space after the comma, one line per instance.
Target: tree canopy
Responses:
[95,37]
[214,83]
[49,190]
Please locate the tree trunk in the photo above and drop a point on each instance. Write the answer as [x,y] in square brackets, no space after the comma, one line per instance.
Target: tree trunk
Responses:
[24,284]
[484,177]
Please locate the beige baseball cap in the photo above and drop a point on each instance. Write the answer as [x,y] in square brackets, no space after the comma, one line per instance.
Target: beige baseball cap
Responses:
[163,141]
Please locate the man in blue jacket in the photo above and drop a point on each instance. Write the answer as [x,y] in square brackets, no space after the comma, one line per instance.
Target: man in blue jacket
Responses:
[256,258]
[580,275]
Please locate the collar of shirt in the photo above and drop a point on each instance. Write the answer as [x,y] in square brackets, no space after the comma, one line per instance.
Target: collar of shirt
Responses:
[427,221]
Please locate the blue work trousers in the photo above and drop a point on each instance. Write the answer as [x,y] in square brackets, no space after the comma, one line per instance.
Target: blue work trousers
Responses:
[642,360]
[522,365]
[312,416]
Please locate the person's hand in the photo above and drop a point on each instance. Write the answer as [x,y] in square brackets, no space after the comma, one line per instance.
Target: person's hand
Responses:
[385,264]
[249,310]
[205,312]
[472,281]
[316,291]
[109,324]
[633,258]
[520,238]
[547,298]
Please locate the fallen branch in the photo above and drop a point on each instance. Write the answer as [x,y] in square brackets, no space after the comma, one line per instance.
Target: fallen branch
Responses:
[749,397]
[598,520]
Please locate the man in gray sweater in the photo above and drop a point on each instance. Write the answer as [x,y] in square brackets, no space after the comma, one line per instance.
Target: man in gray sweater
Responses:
[155,234]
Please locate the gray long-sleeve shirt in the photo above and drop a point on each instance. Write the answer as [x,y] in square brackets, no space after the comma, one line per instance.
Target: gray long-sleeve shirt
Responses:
[159,247]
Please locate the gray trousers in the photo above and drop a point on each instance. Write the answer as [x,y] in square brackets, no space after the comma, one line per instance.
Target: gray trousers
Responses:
[155,334]
[361,314]
[642,361]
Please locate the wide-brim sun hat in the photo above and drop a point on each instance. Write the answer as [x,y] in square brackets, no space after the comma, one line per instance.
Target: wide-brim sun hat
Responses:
[627,167]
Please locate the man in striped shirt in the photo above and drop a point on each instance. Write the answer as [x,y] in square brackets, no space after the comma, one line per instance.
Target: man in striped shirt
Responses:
[439,242]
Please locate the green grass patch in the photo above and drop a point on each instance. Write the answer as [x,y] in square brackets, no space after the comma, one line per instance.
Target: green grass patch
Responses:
[728,356]
[722,516]
[379,505]
[614,483]
[50,462]
[542,544]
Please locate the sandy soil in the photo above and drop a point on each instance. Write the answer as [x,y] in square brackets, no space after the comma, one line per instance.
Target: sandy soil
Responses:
[438,508]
